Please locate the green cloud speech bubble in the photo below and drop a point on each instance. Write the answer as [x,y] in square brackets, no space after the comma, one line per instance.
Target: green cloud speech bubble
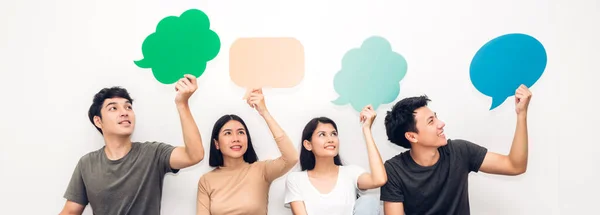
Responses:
[370,74]
[181,45]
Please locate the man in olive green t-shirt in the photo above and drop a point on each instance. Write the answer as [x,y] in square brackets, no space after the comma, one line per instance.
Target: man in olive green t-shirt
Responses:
[125,177]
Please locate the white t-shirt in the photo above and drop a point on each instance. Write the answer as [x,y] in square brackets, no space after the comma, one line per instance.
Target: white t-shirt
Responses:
[341,199]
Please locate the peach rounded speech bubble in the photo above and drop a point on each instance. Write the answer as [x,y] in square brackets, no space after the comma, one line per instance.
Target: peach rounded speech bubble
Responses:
[276,62]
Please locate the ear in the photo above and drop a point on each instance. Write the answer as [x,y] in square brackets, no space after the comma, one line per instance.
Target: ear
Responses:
[216,144]
[307,145]
[411,137]
[98,122]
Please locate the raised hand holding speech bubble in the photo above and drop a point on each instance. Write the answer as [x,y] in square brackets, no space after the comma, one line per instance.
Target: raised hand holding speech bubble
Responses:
[180,45]
[276,62]
[504,63]
[370,74]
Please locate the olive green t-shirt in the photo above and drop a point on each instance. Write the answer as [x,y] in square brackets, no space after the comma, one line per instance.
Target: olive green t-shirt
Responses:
[130,185]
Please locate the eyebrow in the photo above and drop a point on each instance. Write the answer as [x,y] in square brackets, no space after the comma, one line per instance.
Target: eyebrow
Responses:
[229,129]
[326,131]
[114,103]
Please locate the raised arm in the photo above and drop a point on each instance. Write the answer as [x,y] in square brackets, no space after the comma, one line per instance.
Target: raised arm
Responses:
[193,151]
[378,176]
[289,155]
[516,161]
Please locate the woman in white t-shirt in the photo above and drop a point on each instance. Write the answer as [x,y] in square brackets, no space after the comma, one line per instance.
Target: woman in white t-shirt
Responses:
[325,186]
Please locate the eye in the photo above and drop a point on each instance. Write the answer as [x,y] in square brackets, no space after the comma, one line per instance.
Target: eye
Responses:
[129,107]
[227,133]
[334,134]
[242,132]
[321,134]
[112,108]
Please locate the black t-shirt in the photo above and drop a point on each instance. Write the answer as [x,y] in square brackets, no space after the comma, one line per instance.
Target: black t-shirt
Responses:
[438,189]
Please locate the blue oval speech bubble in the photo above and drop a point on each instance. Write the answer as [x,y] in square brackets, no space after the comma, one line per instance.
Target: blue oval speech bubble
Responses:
[504,63]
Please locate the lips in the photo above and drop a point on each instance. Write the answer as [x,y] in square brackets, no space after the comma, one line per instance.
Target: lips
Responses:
[441,134]
[125,122]
[330,147]
[236,147]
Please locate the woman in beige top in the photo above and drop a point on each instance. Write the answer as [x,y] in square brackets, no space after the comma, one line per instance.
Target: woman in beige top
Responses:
[240,183]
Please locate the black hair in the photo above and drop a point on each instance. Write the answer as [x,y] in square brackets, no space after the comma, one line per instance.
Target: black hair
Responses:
[215,158]
[98,101]
[401,119]
[307,158]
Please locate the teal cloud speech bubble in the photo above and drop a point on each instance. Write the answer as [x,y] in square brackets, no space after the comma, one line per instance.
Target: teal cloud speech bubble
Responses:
[180,45]
[504,63]
[370,74]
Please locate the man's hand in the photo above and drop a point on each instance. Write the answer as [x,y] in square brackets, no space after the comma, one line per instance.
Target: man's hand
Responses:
[185,87]
[367,116]
[522,98]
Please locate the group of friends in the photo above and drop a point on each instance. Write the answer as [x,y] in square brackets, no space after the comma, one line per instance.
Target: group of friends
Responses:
[431,177]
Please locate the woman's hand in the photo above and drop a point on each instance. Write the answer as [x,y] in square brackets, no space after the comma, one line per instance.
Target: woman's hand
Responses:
[256,100]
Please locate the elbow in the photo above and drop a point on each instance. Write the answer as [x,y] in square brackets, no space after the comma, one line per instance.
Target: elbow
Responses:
[293,160]
[198,159]
[194,159]
[380,181]
[521,170]
[517,170]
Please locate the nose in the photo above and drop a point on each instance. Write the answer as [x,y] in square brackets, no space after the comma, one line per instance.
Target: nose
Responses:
[236,138]
[329,139]
[441,124]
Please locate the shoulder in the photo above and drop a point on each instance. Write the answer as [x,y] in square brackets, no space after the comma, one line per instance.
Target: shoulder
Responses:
[294,177]
[352,168]
[396,161]
[209,176]
[91,157]
[461,145]
[152,146]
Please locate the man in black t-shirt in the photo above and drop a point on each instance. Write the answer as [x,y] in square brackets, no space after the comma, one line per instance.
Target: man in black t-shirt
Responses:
[432,176]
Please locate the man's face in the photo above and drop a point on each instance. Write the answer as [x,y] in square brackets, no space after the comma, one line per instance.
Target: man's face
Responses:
[430,129]
[118,117]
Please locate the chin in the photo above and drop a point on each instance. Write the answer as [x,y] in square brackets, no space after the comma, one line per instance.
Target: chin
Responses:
[236,154]
[329,154]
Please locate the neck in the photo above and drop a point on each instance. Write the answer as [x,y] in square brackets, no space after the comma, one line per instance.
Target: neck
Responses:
[230,162]
[425,156]
[116,146]
[324,166]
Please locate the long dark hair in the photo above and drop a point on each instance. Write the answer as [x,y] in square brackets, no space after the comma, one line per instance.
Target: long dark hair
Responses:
[215,158]
[307,158]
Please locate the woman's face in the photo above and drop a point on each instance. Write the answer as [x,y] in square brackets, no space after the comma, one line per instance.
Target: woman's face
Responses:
[232,140]
[324,141]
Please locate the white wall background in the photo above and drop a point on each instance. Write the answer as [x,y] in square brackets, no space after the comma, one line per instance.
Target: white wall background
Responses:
[57,54]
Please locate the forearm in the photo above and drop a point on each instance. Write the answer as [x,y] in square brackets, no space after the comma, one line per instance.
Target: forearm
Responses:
[378,174]
[191,134]
[284,143]
[519,149]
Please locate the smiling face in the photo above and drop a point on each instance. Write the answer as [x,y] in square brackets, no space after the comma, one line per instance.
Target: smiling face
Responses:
[116,117]
[430,130]
[324,141]
[232,140]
